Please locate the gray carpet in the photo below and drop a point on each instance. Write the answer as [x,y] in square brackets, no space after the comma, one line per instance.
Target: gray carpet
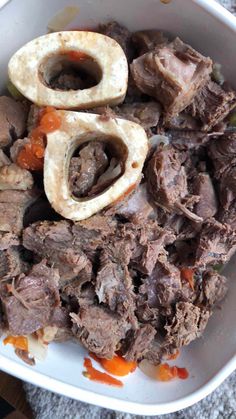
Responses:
[221,404]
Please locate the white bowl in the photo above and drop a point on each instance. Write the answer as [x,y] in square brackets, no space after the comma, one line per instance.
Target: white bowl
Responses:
[212,30]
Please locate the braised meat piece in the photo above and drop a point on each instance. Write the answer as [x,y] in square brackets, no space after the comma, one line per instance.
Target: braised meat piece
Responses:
[13,205]
[139,342]
[120,34]
[187,140]
[167,182]
[222,152]
[85,169]
[99,330]
[187,323]
[207,204]
[214,288]
[172,74]
[148,40]
[13,117]
[212,104]
[31,302]
[146,114]
[216,243]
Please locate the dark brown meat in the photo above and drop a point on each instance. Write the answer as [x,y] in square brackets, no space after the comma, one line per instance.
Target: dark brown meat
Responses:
[136,207]
[214,288]
[212,104]
[85,169]
[13,117]
[162,287]
[222,152]
[11,263]
[120,34]
[114,286]
[32,301]
[227,188]
[146,114]
[13,205]
[187,140]
[148,40]
[99,330]
[172,74]
[182,122]
[167,182]
[4,160]
[69,247]
[207,204]
[140,342]
[216,243]
[67,81]
[187,324]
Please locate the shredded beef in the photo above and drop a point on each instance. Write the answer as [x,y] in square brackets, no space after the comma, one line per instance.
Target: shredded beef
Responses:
[146,114]
[214,288]
[12,120]
[212,104]
[140,342]
[216,243]
[187,324]
[172,74]
[120,34]
[148,40]
[222,152]
[99,330]
[206,207]
[31,303]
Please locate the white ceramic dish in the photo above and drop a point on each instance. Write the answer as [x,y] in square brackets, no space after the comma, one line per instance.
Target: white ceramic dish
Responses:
[212,30]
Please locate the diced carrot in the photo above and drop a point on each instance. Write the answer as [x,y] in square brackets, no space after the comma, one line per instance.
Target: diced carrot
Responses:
[117,365]
[187,274]
[101,377]
[19,342]
[173,356]
[182,373]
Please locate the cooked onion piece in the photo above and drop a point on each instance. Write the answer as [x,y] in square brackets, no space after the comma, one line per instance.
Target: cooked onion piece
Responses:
[129,140]
[71,70]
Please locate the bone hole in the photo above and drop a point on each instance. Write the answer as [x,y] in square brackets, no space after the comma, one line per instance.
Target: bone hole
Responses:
[95,165]
[71,70]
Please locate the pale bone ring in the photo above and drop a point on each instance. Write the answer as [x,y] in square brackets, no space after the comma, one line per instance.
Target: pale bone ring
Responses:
[77,128]
[32,66]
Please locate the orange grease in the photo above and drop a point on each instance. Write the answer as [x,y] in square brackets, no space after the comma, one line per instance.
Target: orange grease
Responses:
[187,275]
[101,377]
[167,373]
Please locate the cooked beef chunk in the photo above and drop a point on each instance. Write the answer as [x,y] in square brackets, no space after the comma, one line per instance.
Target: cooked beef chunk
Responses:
[207,204]
[182,122]
[114,286]
[55,242]
[136,207]
[12,120]
[167,182]
[228,216]
[4,160]
[216,243]
[146,114]
[162,287]
[68,246]
[139,343]
[7,240]
[172,74]
[99,330]
[227,188]
[13,205]
[120,34]
[181,226]
[145,41]
[187,324]
[32,300]
[85,169]
[222,152]
[212,104]
[14,177]
[11,263]
[187,140]
[214,288]
[17,146]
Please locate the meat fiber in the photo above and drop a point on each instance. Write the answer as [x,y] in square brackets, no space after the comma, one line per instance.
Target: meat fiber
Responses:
[207,205]
[172,74]
[148,40]
[13,117]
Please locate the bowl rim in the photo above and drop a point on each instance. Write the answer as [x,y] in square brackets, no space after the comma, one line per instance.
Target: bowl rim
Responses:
[37,378]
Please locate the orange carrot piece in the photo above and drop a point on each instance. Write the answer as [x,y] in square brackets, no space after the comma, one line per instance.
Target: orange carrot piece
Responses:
[116,366]
[19,342]
[50,122]
[166,373]
[101,377]
[182,373]
[187,275]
